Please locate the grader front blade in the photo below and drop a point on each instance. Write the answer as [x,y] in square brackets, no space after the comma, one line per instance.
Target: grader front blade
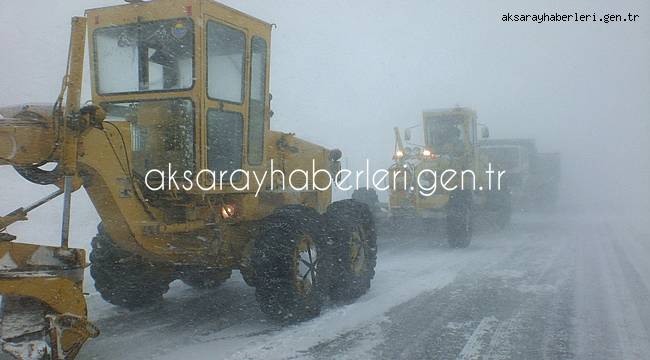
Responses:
[43,314]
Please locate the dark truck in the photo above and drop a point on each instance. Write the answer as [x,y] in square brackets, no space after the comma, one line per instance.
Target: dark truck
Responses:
[532,177]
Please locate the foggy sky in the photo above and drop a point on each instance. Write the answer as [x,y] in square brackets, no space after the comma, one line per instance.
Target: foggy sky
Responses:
[345,72]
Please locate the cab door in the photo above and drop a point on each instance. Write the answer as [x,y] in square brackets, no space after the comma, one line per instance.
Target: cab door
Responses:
[236,99]
[226,101]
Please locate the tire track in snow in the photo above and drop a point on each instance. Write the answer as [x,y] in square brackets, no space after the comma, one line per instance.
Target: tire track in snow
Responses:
[402,274]
[474,346]
[525,334]
[635,284]
[629,301]
[613,319]
[595,338]
[534,276]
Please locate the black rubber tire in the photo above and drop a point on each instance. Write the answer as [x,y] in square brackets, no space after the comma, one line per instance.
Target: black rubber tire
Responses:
[459,219]
[367,196]
[275,262]
[39,176]
[125,279]
[350,226]
[205,278]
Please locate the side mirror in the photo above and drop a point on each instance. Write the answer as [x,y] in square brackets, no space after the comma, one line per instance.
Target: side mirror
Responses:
[335,155]
[485,132]
[407,134]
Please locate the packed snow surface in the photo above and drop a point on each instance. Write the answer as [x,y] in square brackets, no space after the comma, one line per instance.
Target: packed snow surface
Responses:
[552,286]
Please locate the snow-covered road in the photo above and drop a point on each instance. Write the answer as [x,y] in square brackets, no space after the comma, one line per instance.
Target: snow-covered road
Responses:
[551,287]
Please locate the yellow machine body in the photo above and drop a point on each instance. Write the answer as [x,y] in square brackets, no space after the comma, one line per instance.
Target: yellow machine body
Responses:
[450,143]
[157,70]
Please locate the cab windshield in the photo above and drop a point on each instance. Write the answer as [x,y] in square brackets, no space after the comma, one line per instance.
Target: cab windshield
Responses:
[445,135]
[148,56]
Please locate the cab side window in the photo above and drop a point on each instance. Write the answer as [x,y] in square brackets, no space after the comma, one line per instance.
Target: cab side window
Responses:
[257,104]
[226,48]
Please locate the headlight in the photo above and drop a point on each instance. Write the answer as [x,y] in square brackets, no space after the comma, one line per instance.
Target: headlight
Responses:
[228,211]
[426,152]
[399,154]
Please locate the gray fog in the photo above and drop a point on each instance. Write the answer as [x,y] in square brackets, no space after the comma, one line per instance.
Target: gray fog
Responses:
[344,73]
[565,282]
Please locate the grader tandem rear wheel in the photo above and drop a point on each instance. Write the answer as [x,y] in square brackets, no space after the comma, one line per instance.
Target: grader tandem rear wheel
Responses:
[300,258]
[353,249]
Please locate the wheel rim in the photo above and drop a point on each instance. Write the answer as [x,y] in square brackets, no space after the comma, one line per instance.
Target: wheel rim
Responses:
[306,265]
[358,251]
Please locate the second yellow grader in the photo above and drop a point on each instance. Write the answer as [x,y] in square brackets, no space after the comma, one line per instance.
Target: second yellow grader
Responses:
[449,145]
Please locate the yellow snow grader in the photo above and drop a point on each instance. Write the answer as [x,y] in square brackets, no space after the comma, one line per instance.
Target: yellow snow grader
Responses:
[176,84]
[445,175]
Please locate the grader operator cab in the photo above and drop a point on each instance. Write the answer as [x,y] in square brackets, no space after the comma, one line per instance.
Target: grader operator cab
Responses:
[176,84]
[449,143]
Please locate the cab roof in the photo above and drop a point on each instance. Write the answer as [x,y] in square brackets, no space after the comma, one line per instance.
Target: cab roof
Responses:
[184,3]
[448,111]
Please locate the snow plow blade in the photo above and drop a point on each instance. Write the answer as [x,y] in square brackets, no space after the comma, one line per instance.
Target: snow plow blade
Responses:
[43,310]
